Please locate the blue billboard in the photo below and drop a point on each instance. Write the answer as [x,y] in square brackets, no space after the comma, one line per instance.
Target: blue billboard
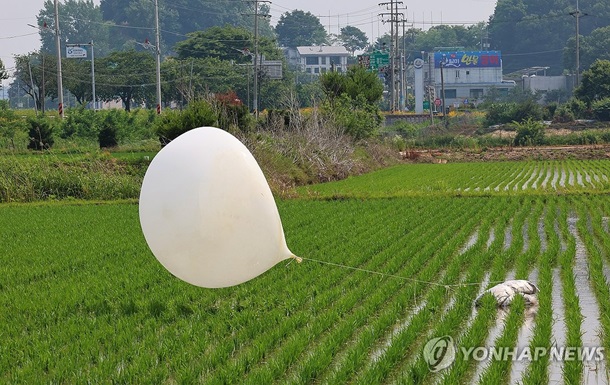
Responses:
[468,59]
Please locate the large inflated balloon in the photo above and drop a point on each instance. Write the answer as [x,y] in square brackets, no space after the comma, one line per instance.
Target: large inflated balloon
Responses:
[207,212]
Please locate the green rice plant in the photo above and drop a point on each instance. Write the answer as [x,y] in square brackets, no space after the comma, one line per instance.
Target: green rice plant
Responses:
[572,369]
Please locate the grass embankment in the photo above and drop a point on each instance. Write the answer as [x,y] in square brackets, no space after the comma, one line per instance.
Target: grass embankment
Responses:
[287,160]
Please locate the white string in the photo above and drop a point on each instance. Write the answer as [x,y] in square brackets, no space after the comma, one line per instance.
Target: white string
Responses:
[447,286]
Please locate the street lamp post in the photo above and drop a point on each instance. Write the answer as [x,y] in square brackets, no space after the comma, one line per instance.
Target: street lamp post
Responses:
[443,87]
[158,52]
[60,89]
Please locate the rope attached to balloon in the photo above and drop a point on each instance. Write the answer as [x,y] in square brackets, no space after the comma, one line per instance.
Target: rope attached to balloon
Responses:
[447,286]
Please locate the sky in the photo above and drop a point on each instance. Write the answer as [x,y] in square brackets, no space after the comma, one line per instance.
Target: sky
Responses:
[17,38]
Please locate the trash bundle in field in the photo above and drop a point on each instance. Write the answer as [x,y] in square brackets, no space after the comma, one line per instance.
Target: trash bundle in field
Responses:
[505,292]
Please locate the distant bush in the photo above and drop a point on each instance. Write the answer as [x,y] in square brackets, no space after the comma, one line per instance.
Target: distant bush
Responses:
[405,129]
[80,123]
[601,109]
[172,124]
[12,127]
[502,113]
[357,118]
[578,108]
[548,111]
[40,133]
[563,114]
[529,132]
[107,136]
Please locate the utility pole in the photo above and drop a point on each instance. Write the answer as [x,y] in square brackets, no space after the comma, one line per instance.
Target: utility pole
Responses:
[60,88]
[158,52]
[393,14]
[443,60]
[576,14]
[403,69]
[256,56]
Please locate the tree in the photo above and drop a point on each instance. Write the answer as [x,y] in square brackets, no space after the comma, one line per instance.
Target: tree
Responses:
[382,43]
[298,28]
[80,22]
[134,19]
[128,75]
[353,39]
[77,79]
[592,47]
[595,83]
[356,82]
[3,73]
[352,100]
[34,76]
[226,43]
[534,32]
[185,80]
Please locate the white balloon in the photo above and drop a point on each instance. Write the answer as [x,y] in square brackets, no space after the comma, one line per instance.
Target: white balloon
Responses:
[207,212]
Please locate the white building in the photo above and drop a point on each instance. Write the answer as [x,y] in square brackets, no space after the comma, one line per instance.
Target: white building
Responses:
[466,75]
[318,59]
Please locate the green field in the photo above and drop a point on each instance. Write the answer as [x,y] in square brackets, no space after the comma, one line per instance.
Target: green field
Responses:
[391,259]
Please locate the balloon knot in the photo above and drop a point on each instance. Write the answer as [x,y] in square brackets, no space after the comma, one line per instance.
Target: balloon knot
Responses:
[298,259]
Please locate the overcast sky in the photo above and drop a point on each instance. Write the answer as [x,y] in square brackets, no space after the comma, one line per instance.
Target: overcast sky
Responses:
[16,37]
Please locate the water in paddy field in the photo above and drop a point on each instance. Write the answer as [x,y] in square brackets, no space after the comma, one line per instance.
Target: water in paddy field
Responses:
[594,371]
[532,177]
[542,234]
[571,178]
[508,237]
[470,242]
[380,351]
[492,238]
[558,329]
[549,173]
[526,238]
[562,180]
[525,335]
[555,178]
[494,332]
[579,179]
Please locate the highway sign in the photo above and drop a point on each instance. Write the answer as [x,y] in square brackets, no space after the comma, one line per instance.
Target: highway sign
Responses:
[76,52]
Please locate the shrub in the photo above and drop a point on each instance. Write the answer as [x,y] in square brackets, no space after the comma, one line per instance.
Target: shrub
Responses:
[40,133]
[528,110]
[232,112]
[529,132]
[107,136]
[502,113]
[548,112]
[11,126]
[601,109]
[497,113]
[172,124]
[357,118]
[81,123]
[578,108]
[563,114]
[405,129]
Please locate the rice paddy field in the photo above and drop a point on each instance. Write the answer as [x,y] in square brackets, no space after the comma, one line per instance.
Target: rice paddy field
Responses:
[391,260]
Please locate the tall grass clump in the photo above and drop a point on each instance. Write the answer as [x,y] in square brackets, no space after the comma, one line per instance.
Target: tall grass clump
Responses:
[93,177]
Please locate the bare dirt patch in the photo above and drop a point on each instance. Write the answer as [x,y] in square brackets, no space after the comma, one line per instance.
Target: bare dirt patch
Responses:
[582,152]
